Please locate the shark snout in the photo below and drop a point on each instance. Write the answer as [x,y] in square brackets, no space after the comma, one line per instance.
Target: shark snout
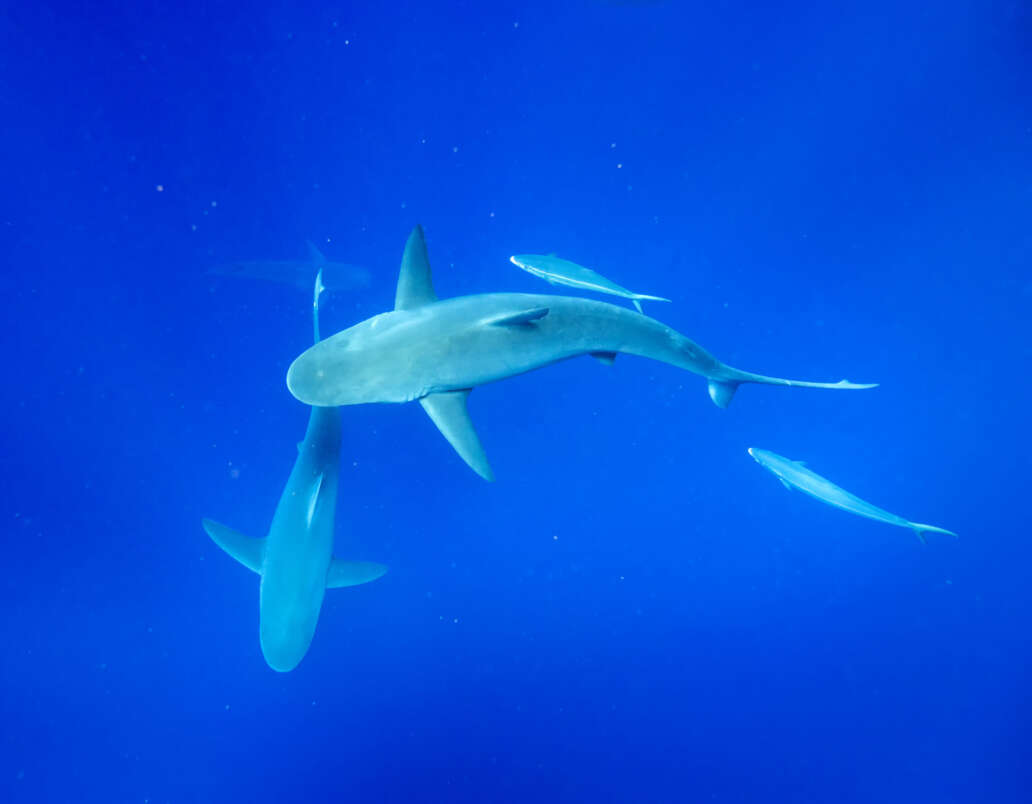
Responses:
[304,379]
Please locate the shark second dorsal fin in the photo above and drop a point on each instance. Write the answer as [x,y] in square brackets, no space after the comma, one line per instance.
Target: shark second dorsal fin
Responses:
[448,411]
[415,282]
[249,552]
[352,573]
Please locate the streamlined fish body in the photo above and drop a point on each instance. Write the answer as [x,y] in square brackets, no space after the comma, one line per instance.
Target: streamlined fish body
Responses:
[795,474]
[437,351]
[295,561]
[558,271]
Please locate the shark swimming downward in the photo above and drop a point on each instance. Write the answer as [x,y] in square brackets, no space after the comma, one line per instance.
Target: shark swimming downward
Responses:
[438,351]
[296,560]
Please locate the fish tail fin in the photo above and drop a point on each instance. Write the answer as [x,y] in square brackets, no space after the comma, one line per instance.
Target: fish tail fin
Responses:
[645,297]
[921,529]
[723,389]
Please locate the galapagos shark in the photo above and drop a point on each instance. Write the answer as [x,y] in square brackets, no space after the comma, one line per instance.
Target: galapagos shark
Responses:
[438,351]
[558,271]
[337,276]
[795,474]
[295,560]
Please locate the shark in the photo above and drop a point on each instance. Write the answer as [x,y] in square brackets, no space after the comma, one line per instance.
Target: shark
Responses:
[336,276]
[795,474]
[557,271]
[436,351]
[295,560]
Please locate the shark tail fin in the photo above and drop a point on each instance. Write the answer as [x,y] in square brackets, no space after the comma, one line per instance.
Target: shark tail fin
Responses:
[921,529]
[447,410]
[248,551]
[352,573]
[721,391]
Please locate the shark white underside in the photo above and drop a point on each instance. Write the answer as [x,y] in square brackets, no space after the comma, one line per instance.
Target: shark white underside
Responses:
[795,474]
[437,351]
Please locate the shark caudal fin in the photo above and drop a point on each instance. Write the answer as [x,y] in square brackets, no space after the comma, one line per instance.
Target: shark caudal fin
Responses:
[921,529]
[352,573]
[447,410]
[722,391]
[248,551]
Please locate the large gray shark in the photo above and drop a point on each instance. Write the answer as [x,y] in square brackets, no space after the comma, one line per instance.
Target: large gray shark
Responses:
[795,474]
[296,560]
[336,276]
[437,351]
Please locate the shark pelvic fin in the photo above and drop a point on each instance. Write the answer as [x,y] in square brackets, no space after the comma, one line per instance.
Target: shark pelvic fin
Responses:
[605,357]
[249,552]
[518,319]
[448,411]
[415,282]
[352,573]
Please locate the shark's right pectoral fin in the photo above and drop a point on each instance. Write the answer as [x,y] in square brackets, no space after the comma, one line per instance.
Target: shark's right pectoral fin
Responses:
[448,411]
[248,551]
[722,392]
[352,573]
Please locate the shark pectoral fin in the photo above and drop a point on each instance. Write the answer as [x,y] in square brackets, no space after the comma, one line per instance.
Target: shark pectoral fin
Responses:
[518,319]
[637,306]
[415,282]
[785,483]
[248,551]
[605,357]
[448,411]
[722,392]
[352,573]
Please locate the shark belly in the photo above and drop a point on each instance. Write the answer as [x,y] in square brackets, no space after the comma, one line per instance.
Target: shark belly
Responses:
[292,590]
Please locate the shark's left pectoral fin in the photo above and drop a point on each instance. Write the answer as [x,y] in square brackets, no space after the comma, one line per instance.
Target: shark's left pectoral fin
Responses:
[785,483]
[607,358]
[248,551]
[448,411]
[352,573]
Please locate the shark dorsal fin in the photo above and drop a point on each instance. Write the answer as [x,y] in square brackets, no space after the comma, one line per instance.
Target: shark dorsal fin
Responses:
[448,411]
[415,282]
[313,498]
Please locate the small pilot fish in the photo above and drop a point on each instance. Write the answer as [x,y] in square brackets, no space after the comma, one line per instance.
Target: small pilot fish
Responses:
[563,272]
[795,474]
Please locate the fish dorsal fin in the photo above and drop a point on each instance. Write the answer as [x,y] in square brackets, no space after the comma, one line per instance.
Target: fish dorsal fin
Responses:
[415,282]
[352,573]
[249,552]
[448,411]
[314,254]
[518,319]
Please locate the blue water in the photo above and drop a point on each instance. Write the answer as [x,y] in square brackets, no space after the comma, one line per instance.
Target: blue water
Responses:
[634,611]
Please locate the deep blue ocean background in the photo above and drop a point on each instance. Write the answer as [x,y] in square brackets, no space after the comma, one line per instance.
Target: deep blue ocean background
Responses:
[634,611]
